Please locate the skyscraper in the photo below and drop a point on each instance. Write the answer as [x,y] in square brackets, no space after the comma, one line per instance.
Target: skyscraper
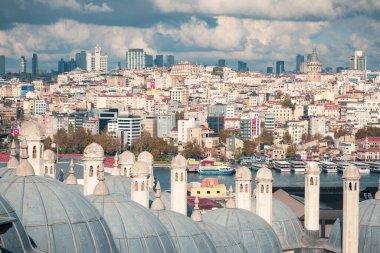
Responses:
[299,60]
[35,64]
[61,66]
[269,70]
[159,62]
[80,59]
[169,61]
[358,61]
[22,67]
[149,61]
[280,67]
[135,58]
[242,66]
[2,64]
[221,63]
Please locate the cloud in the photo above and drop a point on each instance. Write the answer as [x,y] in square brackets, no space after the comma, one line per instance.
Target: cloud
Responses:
[75,5]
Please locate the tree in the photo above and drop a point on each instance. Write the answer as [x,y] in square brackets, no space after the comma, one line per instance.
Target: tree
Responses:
[368,132]
[227,133]
[266,137]
[192,150]
[61,138]
[70,128]
[287,103]
[47,143]
[341,132]
[291,152]
[306,137]
[249,147]
[287,138]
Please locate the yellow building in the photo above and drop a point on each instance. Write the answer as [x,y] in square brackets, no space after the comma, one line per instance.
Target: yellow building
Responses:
[217,191]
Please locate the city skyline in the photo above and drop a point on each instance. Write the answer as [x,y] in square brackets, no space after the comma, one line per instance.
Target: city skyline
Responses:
[262,35]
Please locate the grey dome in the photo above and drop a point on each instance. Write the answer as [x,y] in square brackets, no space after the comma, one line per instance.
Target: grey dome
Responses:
[223,241]
[369,229]
[15,238]
[122,185]
[7,172]
[133,227]
[166,199]
[186,234]
[284,223]
[57,219]
[255,233]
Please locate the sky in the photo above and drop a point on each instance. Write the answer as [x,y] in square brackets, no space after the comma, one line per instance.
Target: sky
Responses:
[258,32]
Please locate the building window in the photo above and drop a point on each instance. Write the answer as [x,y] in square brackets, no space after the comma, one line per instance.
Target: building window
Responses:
[246,188]
[208,192]
[34,155]
[267,188]
[217,191]
[198,192]
[176,177]
[46,169]
[262,189]
[311,181]
[51,170]
[91,174]
[181,177]
[142,186]
[136,186]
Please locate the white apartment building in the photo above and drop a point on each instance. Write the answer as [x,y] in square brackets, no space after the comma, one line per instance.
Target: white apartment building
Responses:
[318,125]
[40,107]
[97,61]
[130,126]
[282,113]
[297,129]
[178,94]
[183,126]
[135,58]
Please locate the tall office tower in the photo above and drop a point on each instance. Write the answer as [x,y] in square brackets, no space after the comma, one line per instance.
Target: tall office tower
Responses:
[221,63]
[358,61]
[135,58]
[97,61]
[314,68]
[80,59]
[72,64]
[299,60]
[35,64]
[149,61]
[242,66]
[2,64]
[280,67]
[269,70]
[169,61]
[61,66]
[159,62]
[22,67]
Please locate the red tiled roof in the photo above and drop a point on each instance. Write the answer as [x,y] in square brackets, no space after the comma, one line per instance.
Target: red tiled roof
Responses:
[205,204]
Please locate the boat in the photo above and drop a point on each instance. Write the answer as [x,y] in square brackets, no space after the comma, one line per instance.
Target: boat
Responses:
[282,166]
[363,167]
[297,166]
[329,167]
[374,167]
[215,170]
[255,166]
[341,166]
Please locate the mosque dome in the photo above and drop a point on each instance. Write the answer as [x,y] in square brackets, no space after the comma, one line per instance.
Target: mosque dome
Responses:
[369,232]
[285,224]
[179,162]
[133,227]
[49,156]
[312,168]
[140,169]
[351,172]
[15,238]
[7,172]
[93,150]
[146,157]
[127,157]
[31,130]
[264,174]
[248,227]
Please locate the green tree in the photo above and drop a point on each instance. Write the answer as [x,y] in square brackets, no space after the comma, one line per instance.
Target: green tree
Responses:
[47,143]
[367,132]
[287,103]
[61,138]
[341,132]
[70,128]
[287,138]
[227,133]
[266,137]
[192,150]
[249,147]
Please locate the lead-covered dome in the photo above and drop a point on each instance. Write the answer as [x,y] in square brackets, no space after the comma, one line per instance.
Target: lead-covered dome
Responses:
[49,156]
[254,232]
[94,150]
[133,227]
[243,173]
[179,162]
[146,157]
[31,130]
[312,168]
[351,172]
[127,157]
[140,169]
[285,224]
[55,218]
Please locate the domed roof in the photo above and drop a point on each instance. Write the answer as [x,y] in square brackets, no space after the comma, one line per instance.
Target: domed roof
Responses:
[369,232]
[179,162]
[243,173]
[312,168]
[140,169]
[31,130]
[127,157]
[15,238]
[285,224]
[133,227]
[13,162]
[351,172]
[248,227]
[7,172]
[264,174]
[93,150]
[146,157]
[186,234]
[122,185]
[49,156]
[57,219]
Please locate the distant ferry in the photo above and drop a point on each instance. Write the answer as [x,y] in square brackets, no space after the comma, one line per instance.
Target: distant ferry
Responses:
[329,167]
[374,167]
[363,167]
[282,166]
[342,166]
[297,166]
[215,170]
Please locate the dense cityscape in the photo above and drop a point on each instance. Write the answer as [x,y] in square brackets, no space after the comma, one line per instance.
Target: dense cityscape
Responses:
[184,138]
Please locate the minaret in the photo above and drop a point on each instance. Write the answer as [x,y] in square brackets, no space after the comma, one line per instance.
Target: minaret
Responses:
[24,167]
[147,157]
[243,187]
[312,172]
[92,162]
[116,169]
[13,162]
[178,177]
[139,183]
[196,215]
[157,203]
[34,136]
[350,238]
[49,163]
[71,179]
[101,188]
[230,202]
[127,159]
[263,191]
